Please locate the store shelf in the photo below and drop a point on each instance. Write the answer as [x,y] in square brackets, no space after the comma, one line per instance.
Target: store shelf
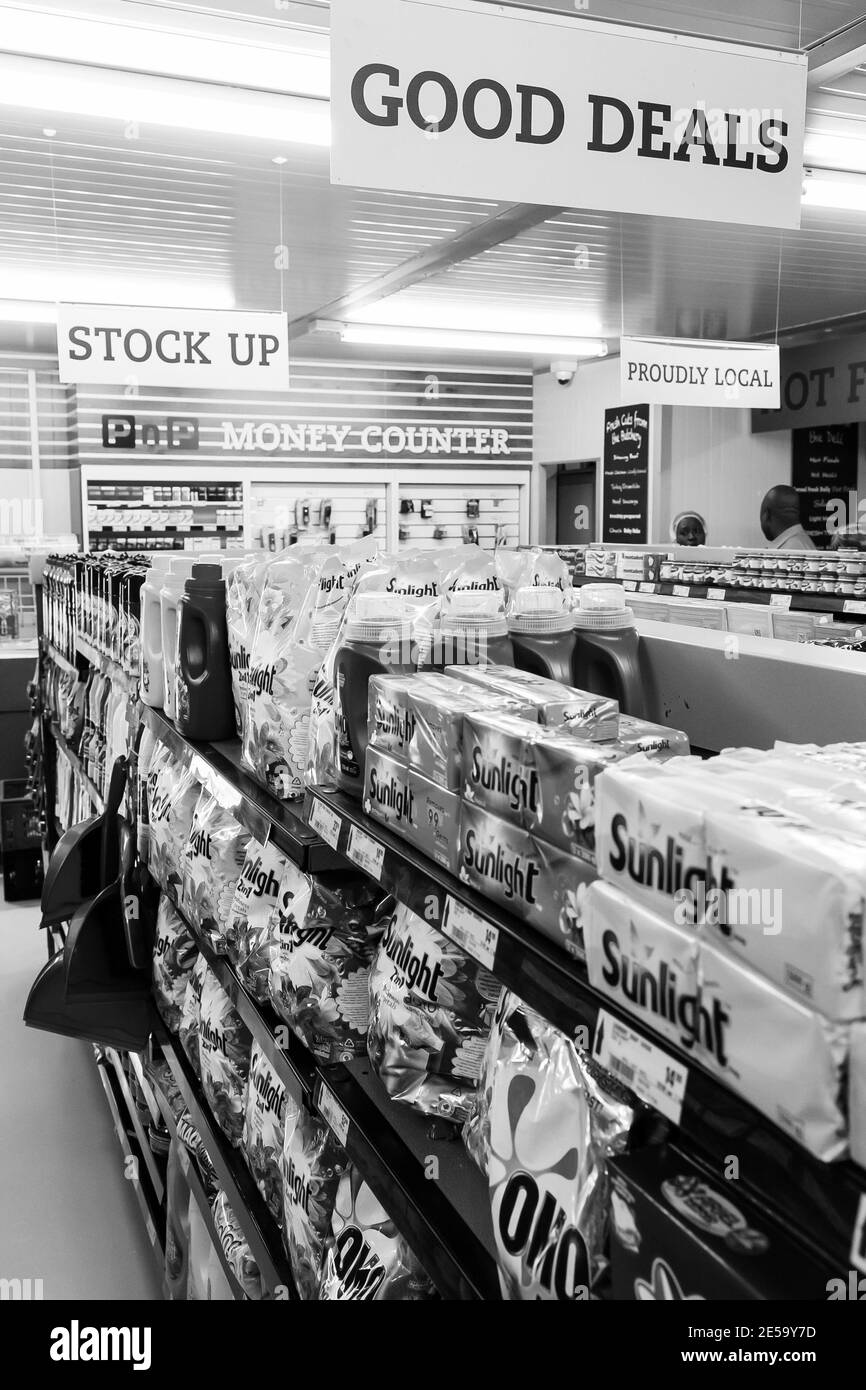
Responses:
[446,1222]
[259,812]
[151,1211]
[78,767]
[139,505]
[817,1202]
[196,1187]
[798,601]
[244,1198]
[132,1110]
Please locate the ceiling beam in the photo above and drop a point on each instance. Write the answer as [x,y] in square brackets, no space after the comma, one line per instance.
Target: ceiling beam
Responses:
[503,226]
[840,53]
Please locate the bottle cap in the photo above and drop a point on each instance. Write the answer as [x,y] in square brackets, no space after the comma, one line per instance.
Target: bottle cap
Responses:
[602,607]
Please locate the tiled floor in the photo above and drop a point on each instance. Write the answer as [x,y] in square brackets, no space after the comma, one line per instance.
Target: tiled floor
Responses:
[67,1215]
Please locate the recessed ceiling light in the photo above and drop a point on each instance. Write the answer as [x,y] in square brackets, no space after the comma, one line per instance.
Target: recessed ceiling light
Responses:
[49,131]
[278,159]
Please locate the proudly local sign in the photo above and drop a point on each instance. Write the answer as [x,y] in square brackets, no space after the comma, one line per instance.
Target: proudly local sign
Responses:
[683,371]
[205,348]
[455,98]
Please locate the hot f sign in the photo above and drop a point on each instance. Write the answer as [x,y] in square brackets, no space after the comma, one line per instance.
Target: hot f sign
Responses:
[450,97]
[214,349]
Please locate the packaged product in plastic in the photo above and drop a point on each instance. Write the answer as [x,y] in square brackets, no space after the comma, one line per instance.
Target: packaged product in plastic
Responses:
[173,797]
[368,1259]
[174,955]
[190,1015]
[552,1119]
[192,1141]
[284,666]
[146,748]
[235,1247]
[325,938]
[213,860]
[255,897]
[224,1051]
[176,1227]
[313,1163]
[264,1129]
[431,1007]
[207,1281]
[557,705]
[243,595]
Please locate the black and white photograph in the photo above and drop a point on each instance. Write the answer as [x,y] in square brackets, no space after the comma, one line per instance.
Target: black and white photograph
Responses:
[432,675]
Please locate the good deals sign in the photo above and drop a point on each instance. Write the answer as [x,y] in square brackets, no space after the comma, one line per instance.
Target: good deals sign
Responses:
[210,348]
[446,97]
[684,371]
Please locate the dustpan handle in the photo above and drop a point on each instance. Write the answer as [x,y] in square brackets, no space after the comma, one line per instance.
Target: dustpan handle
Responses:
[116,788]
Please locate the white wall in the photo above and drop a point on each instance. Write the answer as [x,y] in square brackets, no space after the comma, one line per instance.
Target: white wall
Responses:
[712,461]
[707,459]
[57,503]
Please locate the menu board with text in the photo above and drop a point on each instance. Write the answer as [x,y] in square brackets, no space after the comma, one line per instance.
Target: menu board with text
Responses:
[824,472]
[625,475]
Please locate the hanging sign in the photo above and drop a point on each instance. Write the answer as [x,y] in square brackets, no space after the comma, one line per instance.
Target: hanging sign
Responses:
[625,475]
[823,384]
[448,97]
[208,348]
[690,371]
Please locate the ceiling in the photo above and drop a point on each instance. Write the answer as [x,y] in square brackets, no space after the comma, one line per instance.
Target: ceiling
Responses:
[208,214]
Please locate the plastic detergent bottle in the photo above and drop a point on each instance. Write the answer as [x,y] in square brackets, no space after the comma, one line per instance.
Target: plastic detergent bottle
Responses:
[473,632]
[607,645]
[152,677]
[203,679]
[377,640]
[169,595]
[542,632]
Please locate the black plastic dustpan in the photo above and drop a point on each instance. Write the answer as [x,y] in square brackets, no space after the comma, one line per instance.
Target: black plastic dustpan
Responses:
[119,1022]
[85,858]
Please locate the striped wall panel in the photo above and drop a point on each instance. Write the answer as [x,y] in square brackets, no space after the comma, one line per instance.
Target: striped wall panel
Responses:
[55,407]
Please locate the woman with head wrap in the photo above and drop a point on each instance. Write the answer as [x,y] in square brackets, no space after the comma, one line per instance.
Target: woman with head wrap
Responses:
[689,528]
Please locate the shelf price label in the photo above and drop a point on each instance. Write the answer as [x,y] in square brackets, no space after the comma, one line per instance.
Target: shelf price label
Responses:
[477,937]
[654,1076]
[782,601]
[681,591]
[366,852]
[646,587]
[326,823]
[332,1112]
[717,595]
[854,605]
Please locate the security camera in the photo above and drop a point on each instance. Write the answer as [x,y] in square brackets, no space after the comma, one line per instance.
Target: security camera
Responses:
[564,372]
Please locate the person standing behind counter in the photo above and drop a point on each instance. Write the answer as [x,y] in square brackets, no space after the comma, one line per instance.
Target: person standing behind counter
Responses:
[780,520]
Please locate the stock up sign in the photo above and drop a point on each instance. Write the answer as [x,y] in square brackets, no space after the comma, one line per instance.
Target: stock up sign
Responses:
[449,97]
[210,348]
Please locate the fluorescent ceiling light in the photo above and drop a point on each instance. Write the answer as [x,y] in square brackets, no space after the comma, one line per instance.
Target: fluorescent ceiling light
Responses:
[829,151]
[26,311]
[133,98]
[48,286]
[823,190]
[463,339]
[202,48]
[448,311]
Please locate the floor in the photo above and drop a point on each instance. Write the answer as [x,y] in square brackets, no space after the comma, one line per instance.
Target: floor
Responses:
[67,1215]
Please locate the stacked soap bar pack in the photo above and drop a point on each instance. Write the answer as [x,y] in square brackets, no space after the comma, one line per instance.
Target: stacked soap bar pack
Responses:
[490,771]
[729,918]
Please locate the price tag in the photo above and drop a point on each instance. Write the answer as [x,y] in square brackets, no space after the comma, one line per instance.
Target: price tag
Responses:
[477,937]
[629,584]
[333,1113]
[658,1079]
[366,852]
[854,605]
[326,823]
[681,591]
[645,587]
[717,595]
[782,601]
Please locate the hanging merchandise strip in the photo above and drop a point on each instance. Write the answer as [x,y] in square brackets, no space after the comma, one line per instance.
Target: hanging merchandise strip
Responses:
[818,1201]
[133,1156]
[446,1222]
